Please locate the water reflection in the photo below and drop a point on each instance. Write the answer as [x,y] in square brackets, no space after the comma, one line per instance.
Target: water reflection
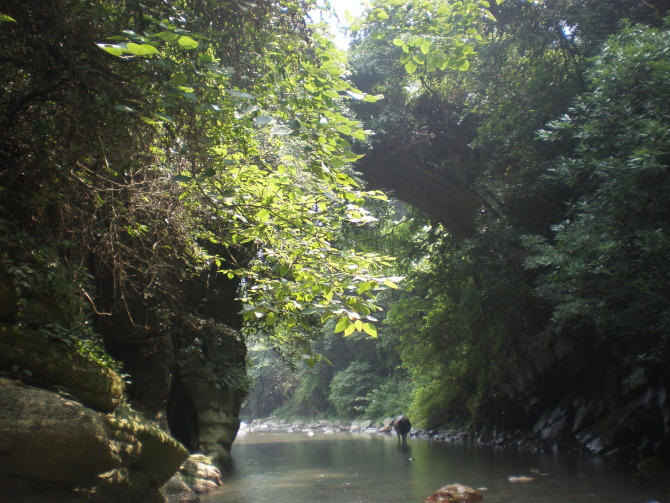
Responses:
[348,468]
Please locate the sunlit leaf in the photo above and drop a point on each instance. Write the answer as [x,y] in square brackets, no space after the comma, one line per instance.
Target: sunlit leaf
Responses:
[141,49]
[342,324]
[262,120]
[187,42]
[124,108]
[114,50]
[370,329]
[410,67]
[281,130]
[263,215]
[425,47]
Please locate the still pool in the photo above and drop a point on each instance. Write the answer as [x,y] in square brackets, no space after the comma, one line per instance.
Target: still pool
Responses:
[283,467]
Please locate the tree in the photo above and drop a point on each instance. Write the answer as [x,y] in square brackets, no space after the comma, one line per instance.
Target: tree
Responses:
[194,155]
[606,264]
[471,319]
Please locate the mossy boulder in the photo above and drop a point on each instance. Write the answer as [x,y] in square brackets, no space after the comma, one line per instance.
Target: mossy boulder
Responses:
[53,364]
[49,439]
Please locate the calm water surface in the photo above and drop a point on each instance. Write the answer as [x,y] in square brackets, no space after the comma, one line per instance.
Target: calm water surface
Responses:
[282,467]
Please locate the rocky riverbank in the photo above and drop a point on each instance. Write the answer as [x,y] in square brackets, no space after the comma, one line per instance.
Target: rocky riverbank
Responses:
[362,426]
[519,439]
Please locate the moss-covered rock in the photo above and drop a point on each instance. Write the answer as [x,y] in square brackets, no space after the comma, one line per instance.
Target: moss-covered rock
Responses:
[208,360]
[52,440]
[54,364]
[48,438]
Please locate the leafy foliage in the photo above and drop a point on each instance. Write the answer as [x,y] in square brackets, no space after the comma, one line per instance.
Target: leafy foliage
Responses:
[173,142]
[42,293]
[471,321]
[607,264]
[269,162]
[349,389]
[432,35]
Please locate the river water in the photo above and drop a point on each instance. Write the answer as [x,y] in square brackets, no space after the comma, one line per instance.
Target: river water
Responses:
[283,467]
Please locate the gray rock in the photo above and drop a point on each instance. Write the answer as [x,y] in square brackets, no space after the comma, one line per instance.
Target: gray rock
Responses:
[178,491]
[200,473]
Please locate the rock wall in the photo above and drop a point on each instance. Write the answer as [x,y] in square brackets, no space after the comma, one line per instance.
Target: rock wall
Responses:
[191,378]
[561,396]
[70,428]
[74,442]
[211,373]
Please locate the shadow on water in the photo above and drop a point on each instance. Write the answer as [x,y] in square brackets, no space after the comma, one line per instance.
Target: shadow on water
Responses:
[349,468]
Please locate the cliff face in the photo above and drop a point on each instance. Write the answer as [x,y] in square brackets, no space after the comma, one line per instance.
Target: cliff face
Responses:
[97,258]
[563,395]
[187,373]
[70,429]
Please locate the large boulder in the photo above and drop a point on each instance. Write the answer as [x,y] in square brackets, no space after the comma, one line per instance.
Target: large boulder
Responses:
[454,493]
[201,474]
[178,491]
[48,438]
[55,365]
[57,444]
[197,475]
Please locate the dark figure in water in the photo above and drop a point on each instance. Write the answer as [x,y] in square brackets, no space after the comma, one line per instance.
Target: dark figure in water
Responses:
[401,425]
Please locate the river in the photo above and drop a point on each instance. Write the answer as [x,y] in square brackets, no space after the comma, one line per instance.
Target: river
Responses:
[283,467]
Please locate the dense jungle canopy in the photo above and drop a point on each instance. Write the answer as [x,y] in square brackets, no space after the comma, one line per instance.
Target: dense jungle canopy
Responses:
[463,217]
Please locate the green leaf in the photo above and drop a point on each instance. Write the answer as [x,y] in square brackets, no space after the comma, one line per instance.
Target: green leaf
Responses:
[370,329]
[372,99]
[410,67]
[182,178]
[150,121]
[350,330]
[425,47]
[380,14]
[464,65]
[440,62]
[187,42]
[281,130]
[141,49]
[240,94]
[167,36]
[164,117]
[124,108]
[179,79]
[390,283]
[113,49]
[342,324]
[5,18]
